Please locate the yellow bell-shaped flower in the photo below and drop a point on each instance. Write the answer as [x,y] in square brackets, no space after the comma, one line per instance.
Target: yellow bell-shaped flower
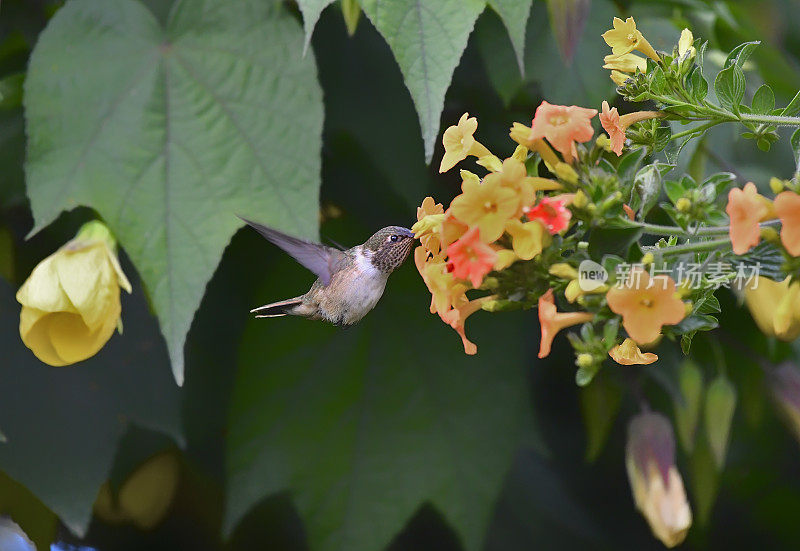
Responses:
[775,307]
[70,302]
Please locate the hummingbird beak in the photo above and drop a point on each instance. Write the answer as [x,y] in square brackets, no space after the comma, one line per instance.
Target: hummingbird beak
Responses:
[407,232]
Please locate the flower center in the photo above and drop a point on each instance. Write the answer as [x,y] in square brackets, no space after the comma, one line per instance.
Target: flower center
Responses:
[631,38]
[646,302]
[490,207]
[559,120]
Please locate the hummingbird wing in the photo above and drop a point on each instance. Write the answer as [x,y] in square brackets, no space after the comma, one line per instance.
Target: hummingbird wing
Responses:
[320,259]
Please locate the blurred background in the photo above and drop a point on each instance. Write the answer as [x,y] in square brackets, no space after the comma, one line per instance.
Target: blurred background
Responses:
[293,435]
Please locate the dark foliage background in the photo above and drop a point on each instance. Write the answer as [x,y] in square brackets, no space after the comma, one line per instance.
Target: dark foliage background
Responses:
[293,435]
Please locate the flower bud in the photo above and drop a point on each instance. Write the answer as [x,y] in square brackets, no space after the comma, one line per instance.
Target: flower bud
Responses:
[656,484]
[584,360]
[563,270]
[775,307]
[580,200]
[70,302]
[566,173]
[776,185]
[683,204]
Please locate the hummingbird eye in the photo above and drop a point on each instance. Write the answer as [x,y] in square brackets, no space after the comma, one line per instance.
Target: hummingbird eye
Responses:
[394,238]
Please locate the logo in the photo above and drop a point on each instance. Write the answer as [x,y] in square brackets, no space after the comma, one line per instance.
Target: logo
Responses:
[591,275]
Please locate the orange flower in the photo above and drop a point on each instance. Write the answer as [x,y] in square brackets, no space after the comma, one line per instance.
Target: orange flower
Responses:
[616,125]
[471,258]
[628,353]
[552,321]
[563,126]
[746,208]
[646,304]
[457,317]
[486,205]
[459,142]
[452,229]
[787,207]
[552,212]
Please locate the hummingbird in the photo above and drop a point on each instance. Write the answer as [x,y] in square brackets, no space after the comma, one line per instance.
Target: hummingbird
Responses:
[349,282]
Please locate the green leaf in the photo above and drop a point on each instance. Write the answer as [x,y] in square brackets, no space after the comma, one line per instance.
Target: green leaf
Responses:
[729,87]
[63,425]
[705,480]
[647,187]
[740,54]
[170,133]
[427,38]
[674,190]
[613,241]
[720,405]
[567,20]
[514,14]
[362,424]
[36,520]
[687,411]
[763,100]
[793,106]
[600,403]
[795,141]
[311,10]
[698,85]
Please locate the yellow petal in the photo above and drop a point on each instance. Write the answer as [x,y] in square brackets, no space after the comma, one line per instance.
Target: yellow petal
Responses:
[73,341]
[88,278]
[42,290]
[34,330]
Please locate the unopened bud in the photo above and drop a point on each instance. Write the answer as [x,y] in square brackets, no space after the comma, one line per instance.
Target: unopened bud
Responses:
[648,258]
[770,234]
[683,204]
[584,360]
[580,200]
[490,283]
[566,173]
[604,142]
[656,484]
[563,270]
[776,185]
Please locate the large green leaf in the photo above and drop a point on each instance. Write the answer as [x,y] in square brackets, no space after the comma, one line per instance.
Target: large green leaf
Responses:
[168,133]
[427,38]
[311,10]
[514,14]
[63,424]
[364,425]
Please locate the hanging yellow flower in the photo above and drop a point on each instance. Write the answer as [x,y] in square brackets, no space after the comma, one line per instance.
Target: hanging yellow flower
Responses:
[625,37]
[775,307]
[70,302]
[628,353]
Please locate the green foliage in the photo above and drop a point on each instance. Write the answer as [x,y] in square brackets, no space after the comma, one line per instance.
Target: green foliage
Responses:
[168,133]
[365,421]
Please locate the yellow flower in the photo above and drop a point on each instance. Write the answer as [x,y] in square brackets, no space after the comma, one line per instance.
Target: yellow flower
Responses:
[504,259]
[492,163]
[619,78]
[427,229]
[522,135]
[457,317]
[445,290]
[70,302]
[625,37]
[627,63]
[775,307]
[685,44]
[487,205]
[459,143]
[646,304]
[528,238]
[563,270]
[574,291]
[628,353]
[513,175]
[655,481]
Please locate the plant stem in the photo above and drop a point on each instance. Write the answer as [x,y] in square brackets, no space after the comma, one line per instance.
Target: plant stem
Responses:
[701,246]
[777,120]
[658,229]
[696,129]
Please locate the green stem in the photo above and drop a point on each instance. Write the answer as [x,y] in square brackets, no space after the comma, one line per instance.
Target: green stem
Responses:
[659,229]
[701,246]
[776,120]
[696,129]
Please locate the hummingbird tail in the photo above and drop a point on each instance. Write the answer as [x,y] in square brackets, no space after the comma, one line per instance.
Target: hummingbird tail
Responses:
[277,309]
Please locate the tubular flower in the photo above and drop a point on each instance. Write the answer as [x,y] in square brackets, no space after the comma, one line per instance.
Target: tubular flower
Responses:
[563,126]
[505,258]
[627,63]
[527,238]
[646,304]
[444,289]
[459,143]
[471,258]
[628,353]
[427,229]
[685,44]
[457,317]
[552,321]
[452,229]
[625,37]
[656,484]
[787,207]
[70,302]
[487,206]
[552,212]
[523,135]
[616,125]
[746,208]
[775,307]
[619,77]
